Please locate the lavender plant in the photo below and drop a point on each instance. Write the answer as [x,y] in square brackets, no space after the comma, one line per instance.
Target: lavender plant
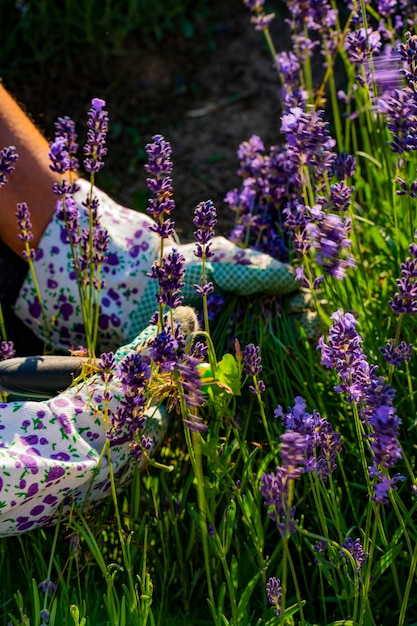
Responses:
[269,515]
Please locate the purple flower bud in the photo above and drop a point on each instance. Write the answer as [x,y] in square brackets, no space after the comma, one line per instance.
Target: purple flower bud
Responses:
[7,350]
[47,586]
[8,159]
[354,547]
[274,594]
[170,278]
[397,354]
[95,148]
[59,156]
[251,360]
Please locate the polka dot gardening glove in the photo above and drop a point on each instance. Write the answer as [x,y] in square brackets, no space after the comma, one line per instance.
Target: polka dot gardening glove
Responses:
[231,269]
[50,451]
[128,297]
[132,250]
[235,270]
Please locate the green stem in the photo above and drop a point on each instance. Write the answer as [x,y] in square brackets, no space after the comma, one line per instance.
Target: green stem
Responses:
[284,579]
[409,583]
[369,546]
[51,559]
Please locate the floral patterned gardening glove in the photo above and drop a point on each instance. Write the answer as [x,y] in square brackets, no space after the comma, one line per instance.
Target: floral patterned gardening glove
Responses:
[128,297]
[50,451]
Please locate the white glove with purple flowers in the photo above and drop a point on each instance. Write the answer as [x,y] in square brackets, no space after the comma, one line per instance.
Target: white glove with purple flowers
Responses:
[128,297]
[51,451]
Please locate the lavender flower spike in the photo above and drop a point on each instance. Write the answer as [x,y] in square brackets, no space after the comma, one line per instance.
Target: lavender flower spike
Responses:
[252,367]
[95,148]
[170,278]
[205,219]
[356,550]
[7,350]
[25,225]
[405,300]
[372,395]
[159,166]
[8,159]
[274,594]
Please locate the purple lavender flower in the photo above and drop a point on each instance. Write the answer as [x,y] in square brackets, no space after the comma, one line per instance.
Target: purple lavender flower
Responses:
[387,8]
[297,221]
[320,549]
[254,5]
[384,71]
[169,275]
[164,350]
[397,354]
[355,548]
[8,159]
[95,148]
[344,166]
[408,53]
[361,43]
[406,188]
[7,350]
[275,487]
[252,367]
[308,139]
[274,594]
[384,438]
[195,424]
[303,45]
[262,21]
[214,305]
[65,128]
[133,372]
[323,444]
[47,586]
[289,67]
[23,222]
[139,447]
[187,367]
[359,381]
[127,423]
[205,219]
[199,350]
[107,365]
[268,184]
[251,360]
[405,300]
[328,232]
[159,166]
[383,485]
[59,156]
[101,240]
[399,108]
[339,198]
[67,211]
[159,154]
[25,234]
[317,15]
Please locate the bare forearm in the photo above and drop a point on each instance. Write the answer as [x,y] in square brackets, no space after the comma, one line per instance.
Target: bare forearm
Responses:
[31,181]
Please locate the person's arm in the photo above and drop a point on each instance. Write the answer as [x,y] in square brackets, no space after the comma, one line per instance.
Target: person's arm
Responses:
[31,181]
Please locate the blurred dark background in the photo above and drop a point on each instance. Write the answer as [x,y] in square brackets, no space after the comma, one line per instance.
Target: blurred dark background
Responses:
[195,71]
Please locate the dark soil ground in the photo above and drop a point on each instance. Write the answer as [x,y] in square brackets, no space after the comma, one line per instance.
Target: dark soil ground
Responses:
[206,94]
